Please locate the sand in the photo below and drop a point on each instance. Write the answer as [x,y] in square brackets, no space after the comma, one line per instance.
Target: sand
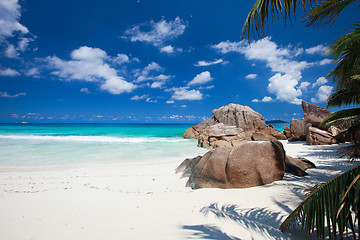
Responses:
[150,201]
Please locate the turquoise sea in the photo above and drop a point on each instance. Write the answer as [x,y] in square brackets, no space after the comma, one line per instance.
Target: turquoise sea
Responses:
[42,145]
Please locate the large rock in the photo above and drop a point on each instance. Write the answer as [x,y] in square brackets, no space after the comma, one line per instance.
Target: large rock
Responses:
[231,125]
[317,136]
[297,166]
[246,165]
[314,114]
[297,128]
[220,135]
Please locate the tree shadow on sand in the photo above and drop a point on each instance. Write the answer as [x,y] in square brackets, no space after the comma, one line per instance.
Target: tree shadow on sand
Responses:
[208,232]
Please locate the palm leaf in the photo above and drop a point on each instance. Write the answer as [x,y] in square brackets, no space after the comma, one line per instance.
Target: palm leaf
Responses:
[352,115]
[326,12]
[323,204]
[258,16]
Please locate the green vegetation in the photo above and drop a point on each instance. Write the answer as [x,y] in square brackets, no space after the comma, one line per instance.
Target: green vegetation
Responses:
[335,204]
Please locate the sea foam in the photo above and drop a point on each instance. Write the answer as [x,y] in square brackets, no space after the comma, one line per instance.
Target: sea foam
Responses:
[101,139]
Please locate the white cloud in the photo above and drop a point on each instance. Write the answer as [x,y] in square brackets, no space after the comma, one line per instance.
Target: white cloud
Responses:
[9,19]
[167,49]
[184,94]
[34,72]
[284,83]
[159,32]
[11,52]
[322,94]
[144,75]
[10,27]
[303,86]
[319,49]
[121,58]
[170,101]
[9,73]
[204,63]
[251,76]
[265,99]
[325,61]
[320,81]
[89,64]
[136,97]
[201,78]
[143,97]
[85,90]
[6,95]
[284,88]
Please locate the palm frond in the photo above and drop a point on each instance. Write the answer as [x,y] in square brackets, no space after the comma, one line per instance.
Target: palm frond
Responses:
[326,12]
[346,51]
[258,16]
[343,115]
[344,96]
[322,206]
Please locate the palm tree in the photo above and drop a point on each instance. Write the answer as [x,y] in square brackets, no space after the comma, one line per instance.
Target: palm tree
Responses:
[337,202]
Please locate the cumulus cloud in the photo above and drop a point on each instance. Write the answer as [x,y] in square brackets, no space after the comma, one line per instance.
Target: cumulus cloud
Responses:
[33,72]
[201,79]
[90,64]
[265,99]
[251,76]
[184,94]
[325,61]
[158,33]
[205,63]
[319,49]
[7,95]
[145,74]
[322,94]
[167,49]
[9,19]
[284,84]
[9,72]
[10,27]
[320,81]
[121,58]
[143,97]
[303,86]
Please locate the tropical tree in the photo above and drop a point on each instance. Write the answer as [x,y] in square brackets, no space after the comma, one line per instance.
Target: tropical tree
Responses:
[335,204]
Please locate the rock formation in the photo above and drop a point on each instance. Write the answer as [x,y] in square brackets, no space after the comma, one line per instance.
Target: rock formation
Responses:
[314,114]
[317,136]
[245,165]
[231,125]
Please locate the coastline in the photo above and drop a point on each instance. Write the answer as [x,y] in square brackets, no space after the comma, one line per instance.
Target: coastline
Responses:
[150,201]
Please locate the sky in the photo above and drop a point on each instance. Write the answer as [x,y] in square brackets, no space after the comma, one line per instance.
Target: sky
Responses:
[156,61]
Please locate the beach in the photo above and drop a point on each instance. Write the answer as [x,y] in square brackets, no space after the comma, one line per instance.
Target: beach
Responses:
[149,201]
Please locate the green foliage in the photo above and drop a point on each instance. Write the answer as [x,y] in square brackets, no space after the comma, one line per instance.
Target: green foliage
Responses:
[335,204]
[343,115]
[326,12]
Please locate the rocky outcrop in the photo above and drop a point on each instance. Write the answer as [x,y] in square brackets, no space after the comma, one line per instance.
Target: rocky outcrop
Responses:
[220,135]
[317,136]
[231,125]
[297,166]
[245,165]
[314,114]
[297,128]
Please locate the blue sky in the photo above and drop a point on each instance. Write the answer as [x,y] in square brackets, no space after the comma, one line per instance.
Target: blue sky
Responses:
[155,61]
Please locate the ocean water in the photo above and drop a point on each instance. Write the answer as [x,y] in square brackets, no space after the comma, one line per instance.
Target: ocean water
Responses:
[47,145]
[44,145]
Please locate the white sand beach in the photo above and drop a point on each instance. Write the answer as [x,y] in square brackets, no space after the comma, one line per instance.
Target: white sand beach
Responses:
[150,201]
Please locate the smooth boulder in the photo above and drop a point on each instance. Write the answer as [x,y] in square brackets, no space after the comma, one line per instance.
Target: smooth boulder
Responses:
[314,114]
[246,165]
[317,136]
